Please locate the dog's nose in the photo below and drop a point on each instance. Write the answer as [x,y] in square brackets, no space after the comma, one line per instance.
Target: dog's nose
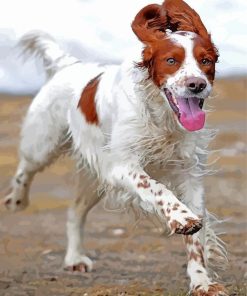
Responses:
[195,84]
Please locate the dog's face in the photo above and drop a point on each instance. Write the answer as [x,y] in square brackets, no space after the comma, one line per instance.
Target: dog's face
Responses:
[183,67]
[180,63]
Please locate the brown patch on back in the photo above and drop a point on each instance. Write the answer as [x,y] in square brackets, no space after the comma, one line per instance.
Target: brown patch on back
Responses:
[87,100]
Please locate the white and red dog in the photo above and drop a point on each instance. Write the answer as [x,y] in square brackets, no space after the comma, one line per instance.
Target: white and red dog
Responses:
[138,127]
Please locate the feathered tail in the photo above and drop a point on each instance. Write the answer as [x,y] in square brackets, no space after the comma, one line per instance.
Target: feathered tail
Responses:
[43,46]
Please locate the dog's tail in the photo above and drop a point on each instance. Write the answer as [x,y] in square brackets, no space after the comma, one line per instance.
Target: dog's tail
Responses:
[43,46]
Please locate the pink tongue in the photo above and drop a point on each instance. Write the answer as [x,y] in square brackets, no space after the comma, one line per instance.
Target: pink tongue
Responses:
[191,116]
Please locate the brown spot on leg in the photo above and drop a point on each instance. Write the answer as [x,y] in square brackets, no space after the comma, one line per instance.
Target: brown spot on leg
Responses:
[87,100]
[145,184]
[176,227]
[188,239]
[175,206]
[194,256]
[213,290]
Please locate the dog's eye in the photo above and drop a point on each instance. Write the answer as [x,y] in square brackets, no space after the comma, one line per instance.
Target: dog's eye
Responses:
[171,61]
[206,62]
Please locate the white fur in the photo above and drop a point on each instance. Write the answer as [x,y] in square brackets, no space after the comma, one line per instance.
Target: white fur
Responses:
[189,68]
[138,138]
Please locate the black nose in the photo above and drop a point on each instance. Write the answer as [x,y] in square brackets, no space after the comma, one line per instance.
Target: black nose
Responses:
[195,85]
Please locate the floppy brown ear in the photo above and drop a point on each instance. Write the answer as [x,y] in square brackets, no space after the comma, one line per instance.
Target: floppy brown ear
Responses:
[181,17]
[148,25]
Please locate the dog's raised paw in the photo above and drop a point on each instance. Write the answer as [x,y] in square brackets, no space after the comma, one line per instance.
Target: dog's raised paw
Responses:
[191,227]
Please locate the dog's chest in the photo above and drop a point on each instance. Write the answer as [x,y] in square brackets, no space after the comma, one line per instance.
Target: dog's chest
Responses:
[166,149]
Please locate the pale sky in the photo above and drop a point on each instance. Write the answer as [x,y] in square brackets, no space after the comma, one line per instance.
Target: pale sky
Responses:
[96,30]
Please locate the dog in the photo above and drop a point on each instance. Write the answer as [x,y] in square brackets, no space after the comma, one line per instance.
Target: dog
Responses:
[138,128]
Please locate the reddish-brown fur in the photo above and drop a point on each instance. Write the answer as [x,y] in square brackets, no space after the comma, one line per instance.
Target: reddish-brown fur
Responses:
[145,184]
[150,26]
[160,203]
[204,49]
[179,16]
[155,60]
[87,101]
[194,256]
[214,289]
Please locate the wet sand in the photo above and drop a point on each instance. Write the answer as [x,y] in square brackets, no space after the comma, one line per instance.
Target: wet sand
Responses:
[130,258]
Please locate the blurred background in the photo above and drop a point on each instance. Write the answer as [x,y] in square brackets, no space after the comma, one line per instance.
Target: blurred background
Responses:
[131,258]
[95,30]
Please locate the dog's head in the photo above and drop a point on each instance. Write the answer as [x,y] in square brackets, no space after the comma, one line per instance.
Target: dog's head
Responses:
[179,56]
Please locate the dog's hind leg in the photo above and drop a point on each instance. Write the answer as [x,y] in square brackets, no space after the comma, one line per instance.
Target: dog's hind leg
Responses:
[87,197]
[41,140]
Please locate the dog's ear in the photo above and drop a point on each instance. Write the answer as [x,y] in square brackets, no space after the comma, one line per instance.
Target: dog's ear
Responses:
[148,25]
[181,17]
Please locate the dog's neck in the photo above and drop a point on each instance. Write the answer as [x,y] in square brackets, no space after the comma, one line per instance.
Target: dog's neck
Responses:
[155,109]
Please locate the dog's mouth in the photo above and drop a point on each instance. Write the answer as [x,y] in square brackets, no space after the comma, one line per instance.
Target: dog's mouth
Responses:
[188,111]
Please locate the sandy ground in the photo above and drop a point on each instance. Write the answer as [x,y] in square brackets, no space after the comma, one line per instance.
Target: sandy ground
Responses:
[130,258]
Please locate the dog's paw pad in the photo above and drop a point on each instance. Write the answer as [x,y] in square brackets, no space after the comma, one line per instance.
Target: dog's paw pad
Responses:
[191,227]
[79,263]
[81,267]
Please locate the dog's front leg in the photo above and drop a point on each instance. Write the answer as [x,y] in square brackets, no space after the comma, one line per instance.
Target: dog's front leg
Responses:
[201,284]
[179,217]
[199,246]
